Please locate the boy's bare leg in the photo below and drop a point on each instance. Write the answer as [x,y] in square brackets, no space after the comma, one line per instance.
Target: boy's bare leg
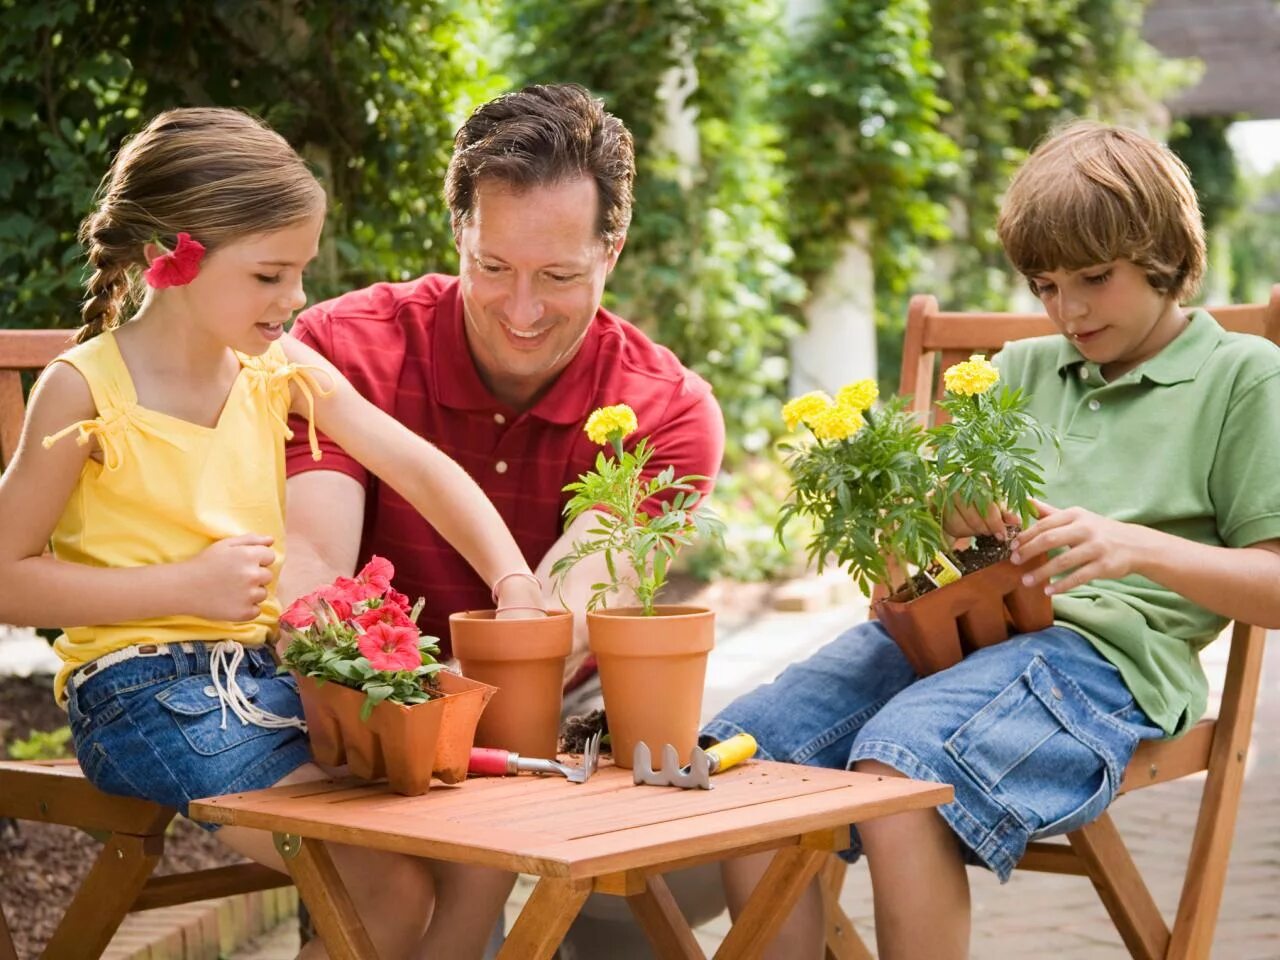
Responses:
[392,892]
[469,901]
[801,935]
[918,880]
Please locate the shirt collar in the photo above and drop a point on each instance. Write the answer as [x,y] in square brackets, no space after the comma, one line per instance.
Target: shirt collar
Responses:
[1179,361]
[456,382]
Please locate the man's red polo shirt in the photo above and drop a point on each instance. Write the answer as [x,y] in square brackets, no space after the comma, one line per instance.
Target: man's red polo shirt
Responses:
[403,347]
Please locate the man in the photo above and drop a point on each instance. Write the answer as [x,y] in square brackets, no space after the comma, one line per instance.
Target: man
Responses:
[499,366]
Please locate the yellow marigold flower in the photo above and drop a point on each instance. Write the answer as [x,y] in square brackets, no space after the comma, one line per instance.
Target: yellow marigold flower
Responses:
[605,422]
[859,395]
[972,377]
[804,408]
[836,423]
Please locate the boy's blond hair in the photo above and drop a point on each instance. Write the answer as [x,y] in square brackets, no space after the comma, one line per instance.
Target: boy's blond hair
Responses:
[1093,193]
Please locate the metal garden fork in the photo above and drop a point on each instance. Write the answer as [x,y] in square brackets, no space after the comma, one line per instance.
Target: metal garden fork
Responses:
[487,761]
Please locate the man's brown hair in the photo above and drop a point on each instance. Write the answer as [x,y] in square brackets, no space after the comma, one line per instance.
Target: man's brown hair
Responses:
[1093,193]
[541,136]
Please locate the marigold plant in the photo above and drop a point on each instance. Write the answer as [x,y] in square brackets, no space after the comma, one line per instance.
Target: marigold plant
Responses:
[361,632]
[874,482]
[638,544]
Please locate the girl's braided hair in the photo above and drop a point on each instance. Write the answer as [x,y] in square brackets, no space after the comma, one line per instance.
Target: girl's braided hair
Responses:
[215,173]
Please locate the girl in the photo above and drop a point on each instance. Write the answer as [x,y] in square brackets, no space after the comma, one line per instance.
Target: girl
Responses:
[166,511]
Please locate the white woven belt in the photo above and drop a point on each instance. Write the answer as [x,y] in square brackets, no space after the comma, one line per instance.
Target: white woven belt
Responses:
[224,660]
[94,667]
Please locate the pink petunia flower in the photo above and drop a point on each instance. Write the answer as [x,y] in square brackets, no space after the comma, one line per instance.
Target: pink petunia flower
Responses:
[178,268]
[299,614]
[377,573]
[394,597]
[390,648]
[388,613]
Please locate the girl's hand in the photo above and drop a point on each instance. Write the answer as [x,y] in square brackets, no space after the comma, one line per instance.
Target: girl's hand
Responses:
[229,579]
[1098,548]
[961,520]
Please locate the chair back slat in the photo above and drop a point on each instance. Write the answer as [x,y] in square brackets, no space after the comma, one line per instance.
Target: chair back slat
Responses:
[22,350]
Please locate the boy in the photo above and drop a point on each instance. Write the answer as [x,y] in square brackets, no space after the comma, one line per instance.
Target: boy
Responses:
[1161,542]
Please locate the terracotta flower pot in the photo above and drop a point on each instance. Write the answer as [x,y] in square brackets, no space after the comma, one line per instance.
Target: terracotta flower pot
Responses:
[403,744]
[938,629]
[524,660]
[652,670]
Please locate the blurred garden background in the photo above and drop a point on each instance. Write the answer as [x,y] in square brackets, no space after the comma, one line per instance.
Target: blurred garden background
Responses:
[804,165]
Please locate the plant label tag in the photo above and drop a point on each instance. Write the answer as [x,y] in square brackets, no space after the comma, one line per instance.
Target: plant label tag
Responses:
[949,572]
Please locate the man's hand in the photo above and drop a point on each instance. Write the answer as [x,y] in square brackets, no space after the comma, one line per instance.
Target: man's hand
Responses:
[228,580]
[1097,548]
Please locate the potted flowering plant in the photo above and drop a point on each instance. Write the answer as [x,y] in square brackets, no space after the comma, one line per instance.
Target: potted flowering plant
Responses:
[876,484]
[373,693]
[642,520]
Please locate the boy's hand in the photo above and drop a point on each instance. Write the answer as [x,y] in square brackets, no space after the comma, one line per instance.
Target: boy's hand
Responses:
[228,580]
[961,520]
[1098,548]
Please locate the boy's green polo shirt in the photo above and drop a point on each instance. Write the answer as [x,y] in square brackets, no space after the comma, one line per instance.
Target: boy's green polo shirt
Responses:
[1187,443]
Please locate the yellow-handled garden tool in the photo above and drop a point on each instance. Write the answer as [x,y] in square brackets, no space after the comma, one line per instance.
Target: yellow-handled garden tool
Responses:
[702,763]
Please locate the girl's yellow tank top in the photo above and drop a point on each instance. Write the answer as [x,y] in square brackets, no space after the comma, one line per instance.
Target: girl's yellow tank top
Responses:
[167,488]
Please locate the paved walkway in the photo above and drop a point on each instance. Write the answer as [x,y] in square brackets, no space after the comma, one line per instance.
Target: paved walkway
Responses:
[1034,915]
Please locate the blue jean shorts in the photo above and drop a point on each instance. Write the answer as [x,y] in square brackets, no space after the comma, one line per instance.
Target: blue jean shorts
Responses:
[1034,733]
[152,727]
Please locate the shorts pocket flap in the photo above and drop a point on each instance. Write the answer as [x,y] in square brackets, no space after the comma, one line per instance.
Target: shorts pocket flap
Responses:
[196,696]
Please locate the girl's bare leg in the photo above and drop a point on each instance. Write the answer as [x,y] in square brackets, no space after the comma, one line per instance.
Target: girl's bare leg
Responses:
[469,902]
[392,892]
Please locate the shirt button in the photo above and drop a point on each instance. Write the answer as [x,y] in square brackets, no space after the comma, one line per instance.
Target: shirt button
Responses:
[501,466]
[499,418]
[1057,694]
[1095,405]
[1084,372]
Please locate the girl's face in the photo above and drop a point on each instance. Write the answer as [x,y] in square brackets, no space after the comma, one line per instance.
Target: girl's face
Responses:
[248,289]
[1111,313]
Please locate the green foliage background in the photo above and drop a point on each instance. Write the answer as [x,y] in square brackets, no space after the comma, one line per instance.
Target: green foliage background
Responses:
[908,115]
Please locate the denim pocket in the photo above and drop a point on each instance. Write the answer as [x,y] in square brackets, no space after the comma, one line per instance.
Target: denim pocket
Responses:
[197,711]
[1041,750]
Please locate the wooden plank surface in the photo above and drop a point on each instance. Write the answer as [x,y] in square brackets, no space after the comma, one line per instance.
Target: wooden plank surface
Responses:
[547,826]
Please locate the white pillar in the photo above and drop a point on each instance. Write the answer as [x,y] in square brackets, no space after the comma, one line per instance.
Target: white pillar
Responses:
[839,344]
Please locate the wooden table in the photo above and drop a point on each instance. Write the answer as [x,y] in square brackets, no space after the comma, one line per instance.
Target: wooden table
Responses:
[605,835]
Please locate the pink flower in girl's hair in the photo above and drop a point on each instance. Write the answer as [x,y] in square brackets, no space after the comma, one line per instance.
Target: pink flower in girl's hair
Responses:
[178,268]
[390,648]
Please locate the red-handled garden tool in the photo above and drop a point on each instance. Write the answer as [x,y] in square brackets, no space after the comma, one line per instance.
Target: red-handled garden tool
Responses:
[491,762]
[703,763]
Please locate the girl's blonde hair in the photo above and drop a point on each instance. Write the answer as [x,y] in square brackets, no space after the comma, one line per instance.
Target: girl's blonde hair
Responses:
[1093,193]
[214,173]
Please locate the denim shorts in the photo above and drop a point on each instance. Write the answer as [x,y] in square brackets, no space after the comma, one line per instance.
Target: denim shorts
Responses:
[1034,733]
[152,727]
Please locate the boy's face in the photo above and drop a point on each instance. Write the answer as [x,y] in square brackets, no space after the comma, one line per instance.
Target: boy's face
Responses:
[1110,312]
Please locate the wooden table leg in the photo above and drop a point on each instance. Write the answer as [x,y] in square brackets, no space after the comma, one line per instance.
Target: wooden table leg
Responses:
[771,902]
[321,888]
[103,900]
[660,917]
[545,919]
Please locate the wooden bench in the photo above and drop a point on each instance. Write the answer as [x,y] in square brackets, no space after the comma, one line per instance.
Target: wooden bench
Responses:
[935,340]
[131,831]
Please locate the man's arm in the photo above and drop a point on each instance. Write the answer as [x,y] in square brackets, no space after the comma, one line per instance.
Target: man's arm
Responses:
[573,592]
[324,518]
